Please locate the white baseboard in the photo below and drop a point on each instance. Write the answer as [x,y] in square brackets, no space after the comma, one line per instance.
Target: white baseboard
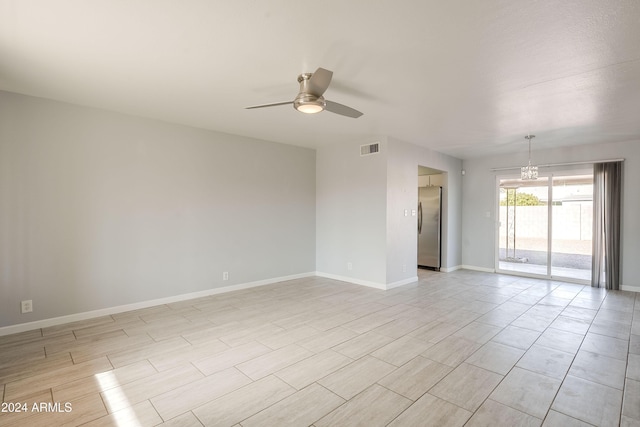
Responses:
[630,288]
[402,282]
[474,268]
[352,280]
[450,269]
[369,284]
[45,323]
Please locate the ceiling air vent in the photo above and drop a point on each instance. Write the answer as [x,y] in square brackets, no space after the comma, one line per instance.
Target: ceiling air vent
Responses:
[368,149]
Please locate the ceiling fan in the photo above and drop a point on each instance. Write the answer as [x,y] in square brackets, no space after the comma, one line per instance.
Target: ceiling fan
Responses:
[310,100]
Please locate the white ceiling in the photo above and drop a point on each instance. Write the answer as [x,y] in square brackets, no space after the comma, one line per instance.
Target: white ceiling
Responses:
[467,78]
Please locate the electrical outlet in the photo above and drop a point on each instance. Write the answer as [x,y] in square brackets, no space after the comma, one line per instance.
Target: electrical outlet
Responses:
[26,306]
[404,268]
[349,266]
[225,275]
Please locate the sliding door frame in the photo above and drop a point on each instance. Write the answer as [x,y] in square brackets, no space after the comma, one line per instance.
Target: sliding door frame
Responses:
[549,276]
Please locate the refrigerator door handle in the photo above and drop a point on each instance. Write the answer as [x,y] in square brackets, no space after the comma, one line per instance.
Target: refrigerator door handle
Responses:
[419,217]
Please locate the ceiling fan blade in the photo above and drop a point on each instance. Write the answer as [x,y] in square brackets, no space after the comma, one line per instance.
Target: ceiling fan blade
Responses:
[319,81]
[275,104]
[343,110]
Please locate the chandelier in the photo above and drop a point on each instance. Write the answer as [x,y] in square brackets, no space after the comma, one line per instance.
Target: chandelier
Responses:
[529,172]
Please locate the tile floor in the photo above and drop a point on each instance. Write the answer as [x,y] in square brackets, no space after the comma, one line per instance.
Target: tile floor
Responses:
[461,348]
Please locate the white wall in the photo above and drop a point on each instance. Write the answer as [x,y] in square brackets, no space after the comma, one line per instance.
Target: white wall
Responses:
[360,211]
[99,210]
[351,209]
[479,195]
[402,194]
[404,159]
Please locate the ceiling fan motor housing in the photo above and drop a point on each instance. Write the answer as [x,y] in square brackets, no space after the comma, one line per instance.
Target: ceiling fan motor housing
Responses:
[307,102]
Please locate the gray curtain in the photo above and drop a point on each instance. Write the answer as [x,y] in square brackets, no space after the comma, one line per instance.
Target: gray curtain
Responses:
[607,194]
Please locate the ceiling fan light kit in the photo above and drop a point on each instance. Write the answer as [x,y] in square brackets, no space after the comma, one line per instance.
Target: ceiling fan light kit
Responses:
[310,100]
[309,104]
[309,107]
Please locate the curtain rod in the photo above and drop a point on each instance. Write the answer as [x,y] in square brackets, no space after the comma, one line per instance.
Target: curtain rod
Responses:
[562,164]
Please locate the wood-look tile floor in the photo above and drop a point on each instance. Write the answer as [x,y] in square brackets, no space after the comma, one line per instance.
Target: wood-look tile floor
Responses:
[461,348]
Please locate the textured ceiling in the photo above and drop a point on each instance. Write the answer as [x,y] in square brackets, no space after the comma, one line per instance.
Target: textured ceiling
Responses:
[466,78]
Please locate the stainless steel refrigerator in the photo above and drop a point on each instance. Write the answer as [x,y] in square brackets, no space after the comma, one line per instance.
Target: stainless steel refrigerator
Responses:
[429,227]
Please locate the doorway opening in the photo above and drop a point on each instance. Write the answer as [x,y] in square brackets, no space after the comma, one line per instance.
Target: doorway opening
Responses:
[431,185]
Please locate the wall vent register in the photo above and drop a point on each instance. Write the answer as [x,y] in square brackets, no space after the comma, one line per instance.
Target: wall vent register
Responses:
[368,149]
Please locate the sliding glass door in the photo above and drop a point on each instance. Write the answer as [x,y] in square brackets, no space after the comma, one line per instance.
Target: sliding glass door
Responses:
[572,229]
[545,226]
[524,225]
